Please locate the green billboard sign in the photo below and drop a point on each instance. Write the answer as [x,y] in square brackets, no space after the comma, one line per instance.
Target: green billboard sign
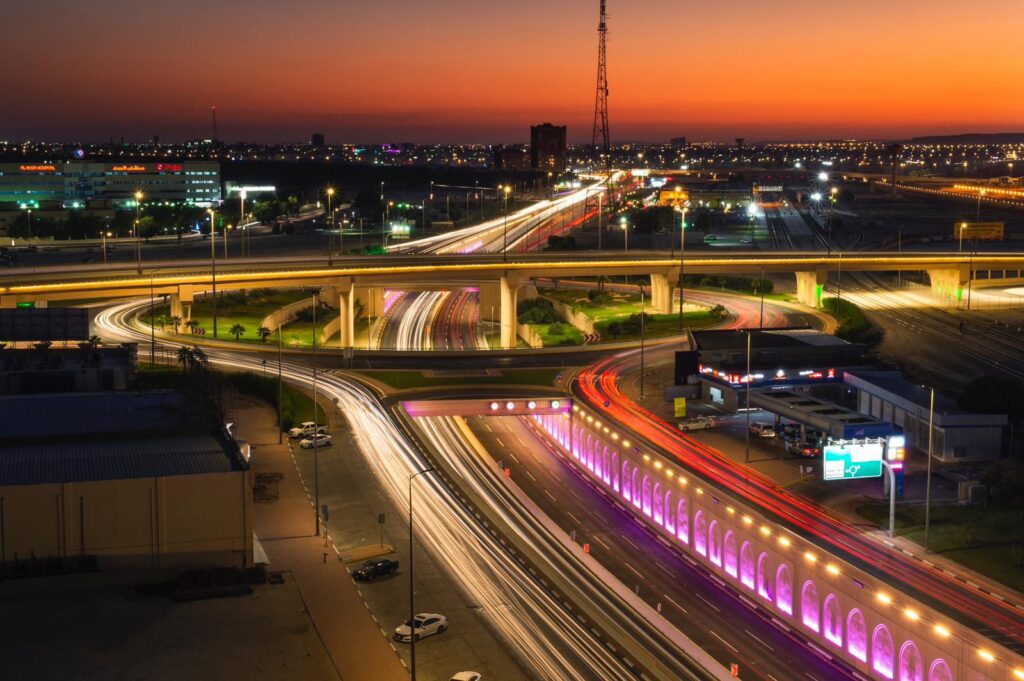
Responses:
[853,459]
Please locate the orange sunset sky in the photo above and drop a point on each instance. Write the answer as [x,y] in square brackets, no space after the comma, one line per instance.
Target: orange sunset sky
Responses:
[469,71]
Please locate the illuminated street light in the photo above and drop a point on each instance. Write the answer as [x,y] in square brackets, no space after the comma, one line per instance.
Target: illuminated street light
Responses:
[816,196]
[624,226]
[138,220]
[504,247]
[104,235]
[330,227]
[823,176]
[213,266]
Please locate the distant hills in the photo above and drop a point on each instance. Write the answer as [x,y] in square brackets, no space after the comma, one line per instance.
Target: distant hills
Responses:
[972,138]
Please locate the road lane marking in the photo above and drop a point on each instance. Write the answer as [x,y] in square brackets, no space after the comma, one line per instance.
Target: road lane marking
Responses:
[759,640]
[606,547]
[710,604]
[552,496]
[729,645]
[664,569]
[575,519]
[488,427]
[630,542]
[633,570]
[669,599]
[500,443]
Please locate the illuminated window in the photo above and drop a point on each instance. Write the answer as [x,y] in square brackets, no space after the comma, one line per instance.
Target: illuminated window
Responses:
[636,487]
[747,565]
[730,553]
[911,666]
[615,471]
[857,635]
[940,671]
[882,651]
[764,583]
[715,542]
[683,521]
[627,487]
[700,533]
[784,589]
[833,620]
[809,613]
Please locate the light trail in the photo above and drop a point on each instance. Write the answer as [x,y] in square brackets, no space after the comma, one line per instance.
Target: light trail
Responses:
[1001,620]
[517,605]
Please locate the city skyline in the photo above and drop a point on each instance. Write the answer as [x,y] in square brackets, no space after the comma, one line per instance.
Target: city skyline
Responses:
[366,74]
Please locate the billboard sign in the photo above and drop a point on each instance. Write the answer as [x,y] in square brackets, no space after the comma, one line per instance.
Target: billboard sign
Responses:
[400,230]
[853,459]
[979,231]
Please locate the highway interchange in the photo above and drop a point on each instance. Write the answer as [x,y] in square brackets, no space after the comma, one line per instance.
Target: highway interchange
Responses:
[685,594]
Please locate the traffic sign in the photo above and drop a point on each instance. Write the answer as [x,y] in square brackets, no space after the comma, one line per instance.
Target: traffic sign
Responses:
[853,459]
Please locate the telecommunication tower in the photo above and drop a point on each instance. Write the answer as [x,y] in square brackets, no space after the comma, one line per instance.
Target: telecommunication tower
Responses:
[600,143]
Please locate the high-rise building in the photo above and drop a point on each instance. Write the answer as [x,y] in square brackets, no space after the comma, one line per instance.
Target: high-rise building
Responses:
[678,143]
[317,140]
[547,147]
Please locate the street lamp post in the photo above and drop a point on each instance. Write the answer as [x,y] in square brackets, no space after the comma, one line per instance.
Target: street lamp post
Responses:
[746,456]
[316,424]
[330,227]
[138,220]
[625,231]
[412,586]
[682,261]
[242,223]
[892,496]
[104,236]
[213,266]
[960,245]
[504,247]
[981,193]
[928,476]
[831,205]
[29,218]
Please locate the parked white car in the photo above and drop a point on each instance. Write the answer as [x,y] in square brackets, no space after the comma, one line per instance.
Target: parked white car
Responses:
[321,440]
[466,676]
[427,624]
[696,423]
[306,429]
[762,430]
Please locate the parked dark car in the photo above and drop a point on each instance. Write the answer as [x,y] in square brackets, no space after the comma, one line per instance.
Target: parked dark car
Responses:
[372,569]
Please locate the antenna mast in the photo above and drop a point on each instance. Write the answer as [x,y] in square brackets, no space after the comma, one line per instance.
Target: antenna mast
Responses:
[600,143]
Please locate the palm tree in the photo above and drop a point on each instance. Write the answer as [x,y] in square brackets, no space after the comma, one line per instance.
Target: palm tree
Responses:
[237,330]
[95,340]
[176,321]
[192,325]
[185,358]
[264,333]
[161,319]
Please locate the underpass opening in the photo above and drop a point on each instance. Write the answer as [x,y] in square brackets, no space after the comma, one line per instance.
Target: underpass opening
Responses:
[525,405]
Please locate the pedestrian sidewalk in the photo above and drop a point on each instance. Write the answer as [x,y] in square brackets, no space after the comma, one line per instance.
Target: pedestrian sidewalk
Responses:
[349,632]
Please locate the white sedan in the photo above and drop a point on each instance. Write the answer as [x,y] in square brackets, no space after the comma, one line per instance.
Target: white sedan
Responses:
[427,624]
[321,440]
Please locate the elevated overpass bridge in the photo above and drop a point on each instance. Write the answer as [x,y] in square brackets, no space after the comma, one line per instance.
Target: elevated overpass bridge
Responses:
[498,280]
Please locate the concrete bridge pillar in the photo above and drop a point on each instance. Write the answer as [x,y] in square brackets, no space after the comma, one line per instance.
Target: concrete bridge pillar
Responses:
[810,285]
[181,303]
[490,302]
[372,299]
[663,290]
[508,288]
[346,293]
[948,284]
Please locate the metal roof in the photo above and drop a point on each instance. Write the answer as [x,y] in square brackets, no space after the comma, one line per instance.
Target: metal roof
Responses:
[115,458]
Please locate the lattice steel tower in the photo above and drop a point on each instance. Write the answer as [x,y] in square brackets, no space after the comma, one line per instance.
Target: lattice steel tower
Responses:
[600,144]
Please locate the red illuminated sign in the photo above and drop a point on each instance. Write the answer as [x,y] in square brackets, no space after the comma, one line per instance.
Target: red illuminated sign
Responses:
[38,168]
[168,167]
[129,169]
